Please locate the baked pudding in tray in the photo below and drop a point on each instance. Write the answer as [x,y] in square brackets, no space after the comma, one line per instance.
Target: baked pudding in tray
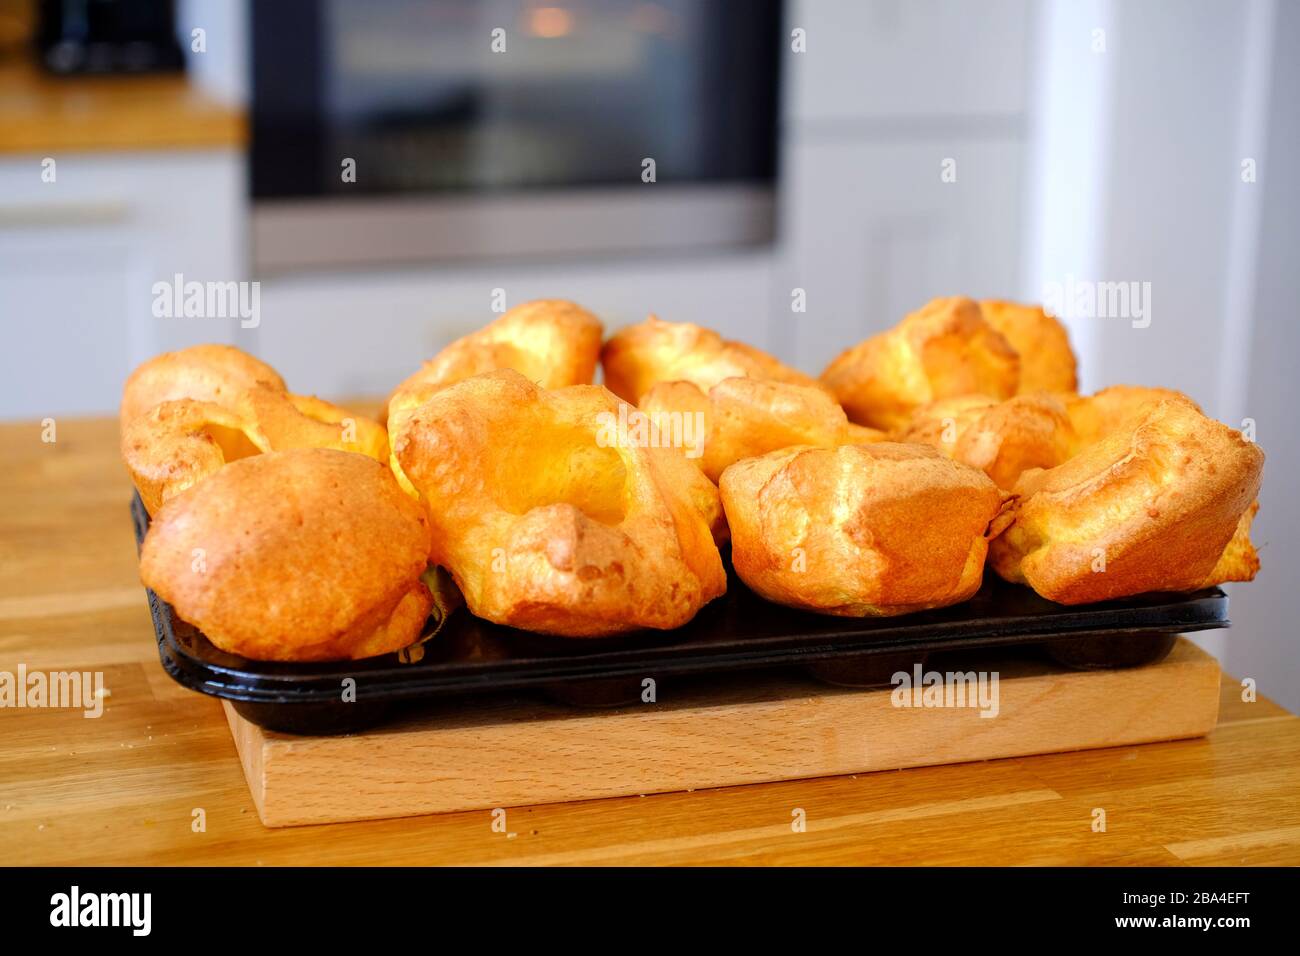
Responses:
[507,523]
[461,656]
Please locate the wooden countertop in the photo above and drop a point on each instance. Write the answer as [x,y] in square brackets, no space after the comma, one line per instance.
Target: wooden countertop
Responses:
[42,113]
[121,789]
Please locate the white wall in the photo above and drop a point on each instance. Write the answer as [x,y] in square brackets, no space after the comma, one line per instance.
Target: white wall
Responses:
[887,91]
[1172,180]
[1264,643]
[1142,147]
[222,70]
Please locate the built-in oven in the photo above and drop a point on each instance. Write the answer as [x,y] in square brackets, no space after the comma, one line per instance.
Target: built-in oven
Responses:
[417,130]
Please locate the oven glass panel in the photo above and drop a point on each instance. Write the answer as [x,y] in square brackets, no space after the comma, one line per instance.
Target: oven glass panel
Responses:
[437,96]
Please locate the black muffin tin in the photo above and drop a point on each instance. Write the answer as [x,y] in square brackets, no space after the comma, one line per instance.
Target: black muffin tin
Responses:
[467,656]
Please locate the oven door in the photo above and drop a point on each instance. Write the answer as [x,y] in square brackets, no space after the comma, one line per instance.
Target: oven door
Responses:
[418,130]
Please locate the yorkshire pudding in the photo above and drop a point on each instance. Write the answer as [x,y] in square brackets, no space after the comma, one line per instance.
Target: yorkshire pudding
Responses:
[546,519]
[1047,363]
[859,530]
[552,342]
[944,350]
[177,444]
[205,373]
[304,555]
[305,421]
[744,417]
[401,405]
[1093,417]
[1002,439]
[639,356]
[681,429]
[1163,504]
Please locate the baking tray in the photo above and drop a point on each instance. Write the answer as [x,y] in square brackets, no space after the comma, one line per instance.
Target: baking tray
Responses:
[739,631]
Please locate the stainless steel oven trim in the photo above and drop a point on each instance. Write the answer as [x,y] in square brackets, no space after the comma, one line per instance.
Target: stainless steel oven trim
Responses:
[291,235]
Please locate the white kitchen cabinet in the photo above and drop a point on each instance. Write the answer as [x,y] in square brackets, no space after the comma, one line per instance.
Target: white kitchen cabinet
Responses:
[79,257]
[908,61]
[886,91]
[368,330]
[871,232]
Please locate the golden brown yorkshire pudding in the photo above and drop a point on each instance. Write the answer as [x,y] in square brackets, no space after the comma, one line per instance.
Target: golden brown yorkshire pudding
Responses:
[402,404]
[205,373]
[944,350]
[682,430]
[546,519]
[552,342]
[305,421]
[744,417]
[1001,439]
[177,444]
[639,356]
[304,555]
[1112,409]
[859,530]
[700,491]
[1047,363]
[1163,504]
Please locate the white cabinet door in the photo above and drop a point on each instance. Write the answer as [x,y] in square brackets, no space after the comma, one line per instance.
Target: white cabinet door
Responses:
[78,260]
[64,347]
[871,231]
[907,60]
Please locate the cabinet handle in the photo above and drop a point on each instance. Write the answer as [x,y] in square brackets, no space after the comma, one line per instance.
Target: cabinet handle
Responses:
[64,214]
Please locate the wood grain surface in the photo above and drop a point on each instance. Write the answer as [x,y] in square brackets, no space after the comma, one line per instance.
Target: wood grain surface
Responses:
[125,788]
[41,113]
[713,731]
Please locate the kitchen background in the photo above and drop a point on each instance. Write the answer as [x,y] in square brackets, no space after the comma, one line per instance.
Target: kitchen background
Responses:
[872,153]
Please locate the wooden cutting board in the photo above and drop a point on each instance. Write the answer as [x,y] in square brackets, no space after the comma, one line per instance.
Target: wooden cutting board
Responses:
[483,753]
